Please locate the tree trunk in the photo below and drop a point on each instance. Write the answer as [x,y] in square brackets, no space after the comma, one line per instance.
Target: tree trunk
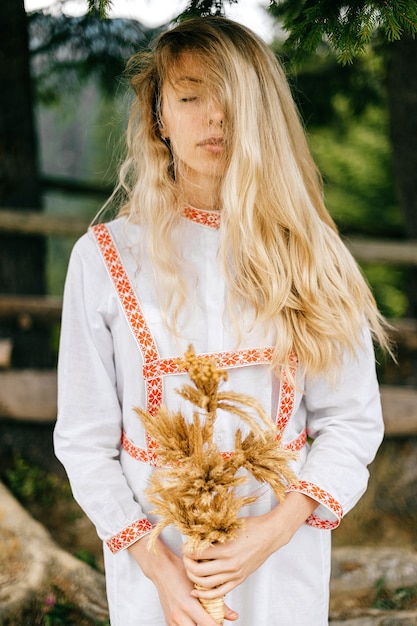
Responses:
[35,572]
[22,258]
[402,101]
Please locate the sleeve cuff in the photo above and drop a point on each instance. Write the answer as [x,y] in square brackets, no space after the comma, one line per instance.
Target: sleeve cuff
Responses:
[328,514]
[129,535]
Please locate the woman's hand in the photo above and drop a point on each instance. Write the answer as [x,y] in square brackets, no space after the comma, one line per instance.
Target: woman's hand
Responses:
[222,567]
[167,572]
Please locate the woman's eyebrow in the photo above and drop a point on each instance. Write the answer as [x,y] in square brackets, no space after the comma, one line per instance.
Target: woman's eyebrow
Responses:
[188,79]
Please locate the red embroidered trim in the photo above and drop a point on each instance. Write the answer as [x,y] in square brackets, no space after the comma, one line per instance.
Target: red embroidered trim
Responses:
[128,535]
[323,524]
[286,395]
[205,218]
[237,358]
[125,292]
[132,310]
[298,443]
[154,392]
[150,456]
[323,497]
[140,454]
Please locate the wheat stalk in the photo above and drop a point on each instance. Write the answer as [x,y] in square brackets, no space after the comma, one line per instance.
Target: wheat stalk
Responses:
[195,487]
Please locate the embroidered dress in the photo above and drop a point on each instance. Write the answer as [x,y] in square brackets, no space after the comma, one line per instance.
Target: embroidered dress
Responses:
[116,353]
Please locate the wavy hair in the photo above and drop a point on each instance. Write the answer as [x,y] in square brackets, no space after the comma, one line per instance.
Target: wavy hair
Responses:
[280,249]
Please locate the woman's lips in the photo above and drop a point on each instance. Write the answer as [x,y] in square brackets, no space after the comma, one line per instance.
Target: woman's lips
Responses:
[213,144]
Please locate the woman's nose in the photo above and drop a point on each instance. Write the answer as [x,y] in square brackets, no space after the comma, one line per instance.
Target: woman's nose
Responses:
[216,114]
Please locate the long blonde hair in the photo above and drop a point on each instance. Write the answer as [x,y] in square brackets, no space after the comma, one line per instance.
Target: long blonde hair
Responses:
[280,249]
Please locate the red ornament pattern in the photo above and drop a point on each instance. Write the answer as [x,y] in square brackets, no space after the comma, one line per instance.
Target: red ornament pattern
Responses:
[204,218]
[129,535]
[323,497]
[225,360]
[298,443]
[150,456]
[286,394]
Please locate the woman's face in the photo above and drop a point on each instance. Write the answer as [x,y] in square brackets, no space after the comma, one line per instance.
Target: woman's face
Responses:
[193,121]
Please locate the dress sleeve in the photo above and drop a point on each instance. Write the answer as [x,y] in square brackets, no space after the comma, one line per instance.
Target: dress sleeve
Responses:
[88,430]
[345,422]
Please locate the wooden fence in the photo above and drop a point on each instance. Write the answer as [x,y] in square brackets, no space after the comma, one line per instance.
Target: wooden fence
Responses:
[31,395]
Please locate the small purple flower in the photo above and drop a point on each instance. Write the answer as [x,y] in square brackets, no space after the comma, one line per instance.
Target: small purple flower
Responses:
[50,601]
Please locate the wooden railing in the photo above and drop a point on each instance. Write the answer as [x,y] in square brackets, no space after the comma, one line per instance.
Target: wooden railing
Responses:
[38,223]
[32,394]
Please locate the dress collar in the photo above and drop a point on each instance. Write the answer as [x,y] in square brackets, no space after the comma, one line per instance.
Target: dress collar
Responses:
[200,216]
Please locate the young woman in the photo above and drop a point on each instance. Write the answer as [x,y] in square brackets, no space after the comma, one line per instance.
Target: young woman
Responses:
[222,241]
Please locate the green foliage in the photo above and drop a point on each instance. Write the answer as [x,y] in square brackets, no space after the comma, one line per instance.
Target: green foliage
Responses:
[348,27]
[30,483]
[360,195]
[79,47]
[195,8]
[388,286]
[57,611]
[344,108]
[400,599]
[83,143]
[87,557]
[203,8]
[321,83]
[345,113]
[67,51]
[99,7]
[355,161]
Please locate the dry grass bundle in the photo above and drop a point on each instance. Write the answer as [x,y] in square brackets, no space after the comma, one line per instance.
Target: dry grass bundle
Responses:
[196,487]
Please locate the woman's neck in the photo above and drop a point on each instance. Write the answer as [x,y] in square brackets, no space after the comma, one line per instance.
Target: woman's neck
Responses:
[200,196]
[201,205]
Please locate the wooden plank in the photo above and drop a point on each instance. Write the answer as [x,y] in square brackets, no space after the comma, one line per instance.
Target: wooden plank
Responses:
[5,352]
[57,183]
[31,395]
[405,332]
[28,395]
[39,223]
[49,308]
[399,405]
[374,251]
[40,307]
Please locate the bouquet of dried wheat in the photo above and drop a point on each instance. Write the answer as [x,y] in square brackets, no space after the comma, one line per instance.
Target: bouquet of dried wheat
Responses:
[195,485]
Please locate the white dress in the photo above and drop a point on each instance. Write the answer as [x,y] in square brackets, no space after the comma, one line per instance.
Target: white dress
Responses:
[116,354]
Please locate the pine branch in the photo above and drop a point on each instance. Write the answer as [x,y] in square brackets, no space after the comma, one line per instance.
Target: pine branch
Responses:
[100,8]
[398,17]
[347,27]
[204,8]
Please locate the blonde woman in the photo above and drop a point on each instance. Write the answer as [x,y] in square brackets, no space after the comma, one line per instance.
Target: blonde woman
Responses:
[222,241]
